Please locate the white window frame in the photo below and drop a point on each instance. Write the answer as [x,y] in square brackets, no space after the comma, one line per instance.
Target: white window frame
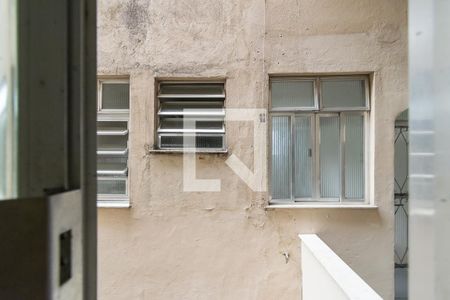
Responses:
[114,115]
[315,115]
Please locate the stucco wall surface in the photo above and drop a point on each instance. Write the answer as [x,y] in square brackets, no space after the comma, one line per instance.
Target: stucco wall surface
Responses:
[225,245]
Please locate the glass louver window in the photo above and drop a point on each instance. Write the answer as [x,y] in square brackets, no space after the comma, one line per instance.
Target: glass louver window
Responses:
[191,115]
[318,154]
[112,141]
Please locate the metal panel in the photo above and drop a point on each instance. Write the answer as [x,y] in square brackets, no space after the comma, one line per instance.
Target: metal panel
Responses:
[429,73]
[44,79]
[401,206]
[8,99]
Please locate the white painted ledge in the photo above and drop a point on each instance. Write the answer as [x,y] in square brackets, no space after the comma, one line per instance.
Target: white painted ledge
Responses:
[338,206]
[326,276]
[113,204]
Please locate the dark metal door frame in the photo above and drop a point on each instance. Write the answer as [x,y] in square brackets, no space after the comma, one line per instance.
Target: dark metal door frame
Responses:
[57,110]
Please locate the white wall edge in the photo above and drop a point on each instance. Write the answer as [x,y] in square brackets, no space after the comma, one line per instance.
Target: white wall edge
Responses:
[353,286]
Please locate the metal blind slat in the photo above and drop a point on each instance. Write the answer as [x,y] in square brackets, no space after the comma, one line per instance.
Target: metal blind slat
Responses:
[202,104]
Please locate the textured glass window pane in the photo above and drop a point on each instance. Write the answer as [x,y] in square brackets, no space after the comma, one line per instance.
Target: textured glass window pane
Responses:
[281,140]
[293,93]
[110,163]
[199,89]
[174,141]
[302,157]
[209,141]
[343,93]
[201,141]
[354,157]
[114,187]
[201,105]
[179,110]
[115,96]
[177,124]
[329,157]
[111,166]
[111,125]
[112,142]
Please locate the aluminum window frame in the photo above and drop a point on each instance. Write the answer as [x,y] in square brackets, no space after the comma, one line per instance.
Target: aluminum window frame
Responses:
[292,116]
[345,108]
[114,115]
[365,115]
[159,99]
[316,86]
[315,138]
[100,83]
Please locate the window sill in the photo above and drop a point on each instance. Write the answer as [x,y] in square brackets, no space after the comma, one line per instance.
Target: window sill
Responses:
[113,204]
[321,206]
[182,151]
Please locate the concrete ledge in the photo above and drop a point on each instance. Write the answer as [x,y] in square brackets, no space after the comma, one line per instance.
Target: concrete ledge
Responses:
[327,276]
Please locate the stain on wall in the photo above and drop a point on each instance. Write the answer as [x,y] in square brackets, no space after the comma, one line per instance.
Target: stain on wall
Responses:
[226,245]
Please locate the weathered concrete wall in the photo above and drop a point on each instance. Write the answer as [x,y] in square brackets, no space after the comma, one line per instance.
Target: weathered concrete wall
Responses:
[179,245]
